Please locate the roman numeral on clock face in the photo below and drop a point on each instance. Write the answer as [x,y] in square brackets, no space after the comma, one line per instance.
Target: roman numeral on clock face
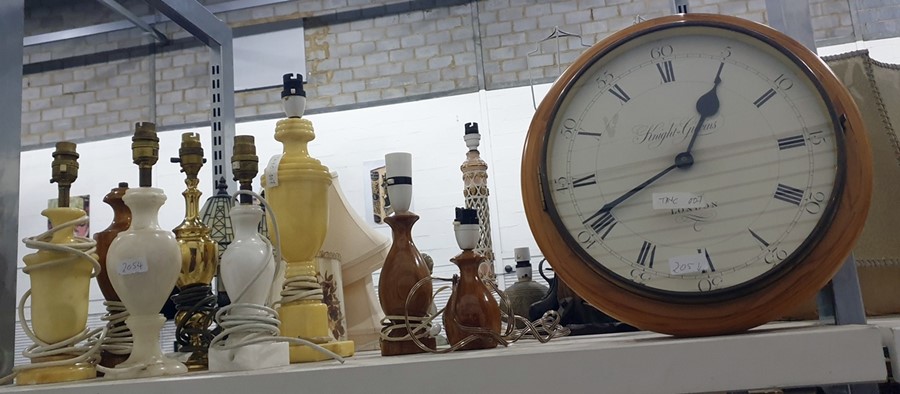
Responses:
[705,252]
[789,194]
[764,98]
[647,254]
[617,91]
[584,181]
[602,222]
[791,142]
[666,71]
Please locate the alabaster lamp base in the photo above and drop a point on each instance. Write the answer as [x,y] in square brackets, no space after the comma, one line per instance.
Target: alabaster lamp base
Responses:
[146,359]
[63,373]
[310,321]
[249,357]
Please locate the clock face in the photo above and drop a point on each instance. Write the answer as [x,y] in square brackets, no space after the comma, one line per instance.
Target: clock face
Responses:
[692,160]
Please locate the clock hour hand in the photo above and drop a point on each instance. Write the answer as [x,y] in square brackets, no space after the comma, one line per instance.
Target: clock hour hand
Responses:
[707,105]
[609,206]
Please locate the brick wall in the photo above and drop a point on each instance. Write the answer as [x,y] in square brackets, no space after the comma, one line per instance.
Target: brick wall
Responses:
[359,53]
[878,18]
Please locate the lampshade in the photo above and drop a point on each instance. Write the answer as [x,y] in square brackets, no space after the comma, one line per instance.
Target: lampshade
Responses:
[216,214]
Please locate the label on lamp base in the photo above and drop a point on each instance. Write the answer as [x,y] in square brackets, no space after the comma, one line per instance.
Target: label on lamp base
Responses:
[272,171]
[133,266]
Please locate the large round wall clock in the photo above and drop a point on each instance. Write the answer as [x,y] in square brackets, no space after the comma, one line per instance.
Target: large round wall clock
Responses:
[697,175]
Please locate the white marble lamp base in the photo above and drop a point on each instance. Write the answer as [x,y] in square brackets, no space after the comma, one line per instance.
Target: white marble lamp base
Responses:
[250,357]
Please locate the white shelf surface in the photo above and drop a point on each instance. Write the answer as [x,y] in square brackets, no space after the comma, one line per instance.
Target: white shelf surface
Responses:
[890,338]
[776,355]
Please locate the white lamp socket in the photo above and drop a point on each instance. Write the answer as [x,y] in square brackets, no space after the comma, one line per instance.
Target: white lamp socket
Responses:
[466,235]
[472,140]
[398,171]
[522,254]
[294,106]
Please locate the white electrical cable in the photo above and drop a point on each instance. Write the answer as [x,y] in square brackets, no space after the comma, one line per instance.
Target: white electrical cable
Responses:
[421,327]
[82,248]
[249,324]
[118,339]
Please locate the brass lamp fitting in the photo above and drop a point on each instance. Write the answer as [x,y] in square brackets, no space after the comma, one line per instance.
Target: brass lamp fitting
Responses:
[190,155]
[65,169]
[145,150]
[244,164]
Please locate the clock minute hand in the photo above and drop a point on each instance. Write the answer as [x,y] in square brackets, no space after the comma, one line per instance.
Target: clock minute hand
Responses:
[608,207]
[707,105]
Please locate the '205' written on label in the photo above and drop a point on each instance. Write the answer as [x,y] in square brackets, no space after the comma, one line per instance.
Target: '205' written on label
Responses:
[133,266]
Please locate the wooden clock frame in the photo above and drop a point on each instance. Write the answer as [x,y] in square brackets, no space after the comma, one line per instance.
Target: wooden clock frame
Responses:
[769,298]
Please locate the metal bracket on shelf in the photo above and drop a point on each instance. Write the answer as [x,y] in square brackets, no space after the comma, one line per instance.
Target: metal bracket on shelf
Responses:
[140,23]
[217,35]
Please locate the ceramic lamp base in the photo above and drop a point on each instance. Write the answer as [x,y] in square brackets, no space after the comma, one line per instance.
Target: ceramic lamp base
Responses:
[310,321]
[250,357]
[63,373]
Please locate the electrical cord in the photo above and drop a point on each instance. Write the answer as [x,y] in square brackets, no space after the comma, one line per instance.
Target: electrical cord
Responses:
[423,326]
[247,324]
[543,329]
[193,335]
[118,338]
[81,248]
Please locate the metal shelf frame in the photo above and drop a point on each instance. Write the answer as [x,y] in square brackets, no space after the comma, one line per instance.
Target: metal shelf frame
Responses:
[188,14]
[12,28]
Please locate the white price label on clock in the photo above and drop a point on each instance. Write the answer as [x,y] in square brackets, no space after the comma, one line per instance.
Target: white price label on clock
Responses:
[690,264]
[677,200]
[133,266]
[271,172]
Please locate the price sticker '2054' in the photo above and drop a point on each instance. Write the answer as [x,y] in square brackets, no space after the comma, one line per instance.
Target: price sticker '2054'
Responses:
[133,266]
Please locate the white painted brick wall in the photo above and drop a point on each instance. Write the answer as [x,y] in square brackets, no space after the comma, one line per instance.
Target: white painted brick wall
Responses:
[357,63]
